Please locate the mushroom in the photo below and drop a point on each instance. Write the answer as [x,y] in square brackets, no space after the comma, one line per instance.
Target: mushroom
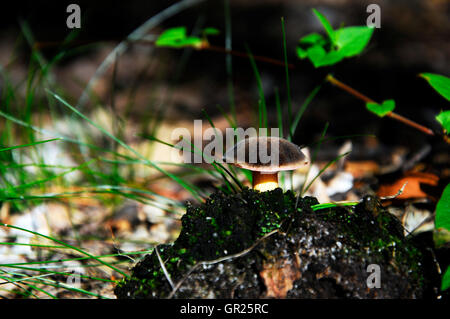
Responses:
[247,154]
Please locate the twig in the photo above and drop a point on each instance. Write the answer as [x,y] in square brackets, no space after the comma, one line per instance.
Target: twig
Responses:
[245,55]
[135,35]
[219,260]
[166,273]
[400,191]
[366,99]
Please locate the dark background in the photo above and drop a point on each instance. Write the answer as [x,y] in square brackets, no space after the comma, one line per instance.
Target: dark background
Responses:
[414,37]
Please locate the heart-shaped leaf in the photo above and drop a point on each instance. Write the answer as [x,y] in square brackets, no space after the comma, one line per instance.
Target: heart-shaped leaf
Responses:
[381,109]
[171,36]
[178,38]
[444,119]
[352,40]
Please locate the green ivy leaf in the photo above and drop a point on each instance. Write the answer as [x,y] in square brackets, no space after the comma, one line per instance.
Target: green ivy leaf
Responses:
[171,36]
[331,58]
[446,279]
[308,41]
[441,237]
[316,53]
[381,109]
[442,219]
[444,119]
[341,43]
[313,38]
[326,24]
[352,40]
[439,82]
[177,38]
[301,53]
[210,31]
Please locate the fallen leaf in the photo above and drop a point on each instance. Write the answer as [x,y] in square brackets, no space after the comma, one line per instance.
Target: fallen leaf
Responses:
[279,278]
[412,188]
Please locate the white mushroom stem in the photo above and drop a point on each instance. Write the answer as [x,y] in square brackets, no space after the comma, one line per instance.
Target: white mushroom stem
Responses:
[264,182]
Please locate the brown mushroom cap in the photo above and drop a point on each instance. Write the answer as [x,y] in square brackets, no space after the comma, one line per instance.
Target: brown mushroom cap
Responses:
[290,156]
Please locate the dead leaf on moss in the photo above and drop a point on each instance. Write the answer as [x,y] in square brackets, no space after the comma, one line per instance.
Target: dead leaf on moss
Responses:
[279,278]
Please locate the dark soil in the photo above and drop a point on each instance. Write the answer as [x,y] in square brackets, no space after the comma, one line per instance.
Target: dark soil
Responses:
[321,254]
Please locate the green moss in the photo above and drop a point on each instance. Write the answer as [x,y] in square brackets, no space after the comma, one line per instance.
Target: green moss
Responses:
[228,224]
[369,226]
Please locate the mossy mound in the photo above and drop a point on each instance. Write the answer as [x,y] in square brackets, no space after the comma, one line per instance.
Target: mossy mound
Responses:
[323,254]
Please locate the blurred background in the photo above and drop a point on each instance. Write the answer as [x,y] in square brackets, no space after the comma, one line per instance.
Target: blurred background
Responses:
[413,38]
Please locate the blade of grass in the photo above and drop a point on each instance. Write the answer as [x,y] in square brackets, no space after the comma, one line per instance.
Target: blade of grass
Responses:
[217,166]
[303,107]
[280,127]
[313,159]
[331,205]
[32,245]
[67,245]
[57,284]
[30,286]
[62,273]
[59,136]
[229,59]
[13,280]
[123,144]
[233,176]
[288,85]
[76,259]
[26,145]
[41,181]
[231,122]
[324,168]
[326,24]
[262,109]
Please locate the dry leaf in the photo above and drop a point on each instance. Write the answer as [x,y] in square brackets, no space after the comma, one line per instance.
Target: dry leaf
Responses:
[412,188]
[279,278]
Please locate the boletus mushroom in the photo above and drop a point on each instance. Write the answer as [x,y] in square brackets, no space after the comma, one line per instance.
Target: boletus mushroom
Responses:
[265,156]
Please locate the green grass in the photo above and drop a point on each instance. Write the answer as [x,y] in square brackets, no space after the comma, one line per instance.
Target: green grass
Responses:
[27,184]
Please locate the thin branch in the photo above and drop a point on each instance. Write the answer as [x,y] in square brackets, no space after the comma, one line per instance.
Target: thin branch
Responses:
[219,260]
[245,55]
[366,99]
[166,273]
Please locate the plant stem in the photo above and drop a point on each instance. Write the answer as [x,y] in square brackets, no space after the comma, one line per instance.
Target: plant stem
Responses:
[333,81]
[245,55]
[366,99]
